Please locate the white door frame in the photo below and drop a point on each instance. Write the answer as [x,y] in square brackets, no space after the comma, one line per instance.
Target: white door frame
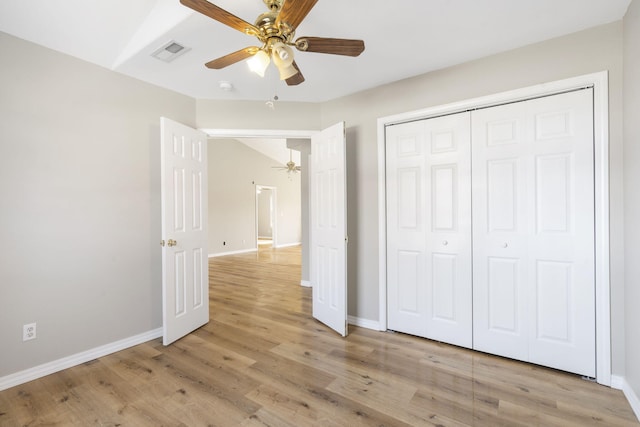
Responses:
[259,133]
[600,83]
[273,213]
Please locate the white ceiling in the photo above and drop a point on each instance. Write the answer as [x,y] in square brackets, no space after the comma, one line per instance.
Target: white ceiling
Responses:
[274,148]
[403,38]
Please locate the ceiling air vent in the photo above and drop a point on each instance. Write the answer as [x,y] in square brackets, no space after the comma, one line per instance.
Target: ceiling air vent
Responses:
[170,51]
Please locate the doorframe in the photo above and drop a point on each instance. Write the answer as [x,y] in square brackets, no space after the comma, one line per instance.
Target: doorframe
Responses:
[258,133]
[273,217]
[600,83]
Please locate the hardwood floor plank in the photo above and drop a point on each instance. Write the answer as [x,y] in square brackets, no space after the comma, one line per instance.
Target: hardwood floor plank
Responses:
[262,360]
[222,389]
[317,406]
[265,418]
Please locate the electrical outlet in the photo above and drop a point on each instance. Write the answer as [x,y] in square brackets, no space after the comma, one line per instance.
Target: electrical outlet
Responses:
[29,332]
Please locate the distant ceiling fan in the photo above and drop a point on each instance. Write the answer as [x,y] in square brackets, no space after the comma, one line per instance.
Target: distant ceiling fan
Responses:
[275,30]
[290,166]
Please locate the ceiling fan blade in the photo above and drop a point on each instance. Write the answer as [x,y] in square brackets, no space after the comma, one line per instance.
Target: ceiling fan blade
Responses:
[232,58]
[346,47]
[220,15]
[297,78]
[294,11]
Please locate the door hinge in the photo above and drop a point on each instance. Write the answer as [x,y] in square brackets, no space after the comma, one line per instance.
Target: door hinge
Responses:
[346,239]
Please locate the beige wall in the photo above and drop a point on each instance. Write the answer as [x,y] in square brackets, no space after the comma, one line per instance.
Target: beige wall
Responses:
[234,171]
[79,179]
[581,53]
[212,114]
[632,192]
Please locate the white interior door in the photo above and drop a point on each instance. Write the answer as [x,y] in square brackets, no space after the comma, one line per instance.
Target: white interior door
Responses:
[533,231]
[185,271]
[328,216]
[429,291]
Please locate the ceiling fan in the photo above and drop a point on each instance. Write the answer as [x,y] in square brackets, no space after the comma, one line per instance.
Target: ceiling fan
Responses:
[290,165]
[275,30]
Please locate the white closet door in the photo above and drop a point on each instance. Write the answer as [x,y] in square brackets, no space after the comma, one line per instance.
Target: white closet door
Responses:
[533,231]
[429,229]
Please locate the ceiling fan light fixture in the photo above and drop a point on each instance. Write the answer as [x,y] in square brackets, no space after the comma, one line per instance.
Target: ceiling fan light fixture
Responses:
[282,56]
[287,72]
[259,62]
[282,51]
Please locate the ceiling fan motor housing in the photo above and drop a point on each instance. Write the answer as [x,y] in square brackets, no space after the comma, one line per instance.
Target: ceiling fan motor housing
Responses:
[269,29]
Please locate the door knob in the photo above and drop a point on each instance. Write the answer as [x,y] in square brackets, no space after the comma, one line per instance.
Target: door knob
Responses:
[171,243]
[445,243]
[505,245]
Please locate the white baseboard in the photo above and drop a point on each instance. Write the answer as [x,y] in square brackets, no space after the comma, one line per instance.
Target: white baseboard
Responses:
[617,382]
[306,284]
[364,323]
[288,245]
[40,371]
[629,393]
[243,251]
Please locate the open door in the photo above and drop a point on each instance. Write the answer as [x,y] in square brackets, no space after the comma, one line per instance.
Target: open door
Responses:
[328,237]
[185,270]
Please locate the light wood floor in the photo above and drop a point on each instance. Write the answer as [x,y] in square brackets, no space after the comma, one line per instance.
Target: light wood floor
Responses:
[263,361]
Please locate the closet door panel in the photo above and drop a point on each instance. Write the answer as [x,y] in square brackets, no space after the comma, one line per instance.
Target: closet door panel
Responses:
[500,321]
[562,246]
[533,203]
[410,278]
[554,290]
[443,296]
[503,296]
[502,187]
[444,197]
[448,239]
[406,229]
[428,224]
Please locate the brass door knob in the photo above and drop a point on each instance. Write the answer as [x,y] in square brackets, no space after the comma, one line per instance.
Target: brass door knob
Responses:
[171,243]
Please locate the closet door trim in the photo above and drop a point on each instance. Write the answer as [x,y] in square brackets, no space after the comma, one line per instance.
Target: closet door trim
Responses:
[600,83]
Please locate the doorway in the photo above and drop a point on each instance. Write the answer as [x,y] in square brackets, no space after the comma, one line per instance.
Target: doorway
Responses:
[298,140]
[329,166]
[266,219]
